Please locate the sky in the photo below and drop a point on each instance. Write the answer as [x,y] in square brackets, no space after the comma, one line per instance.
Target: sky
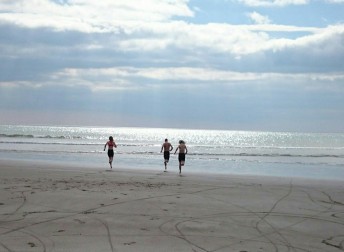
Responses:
[267,65]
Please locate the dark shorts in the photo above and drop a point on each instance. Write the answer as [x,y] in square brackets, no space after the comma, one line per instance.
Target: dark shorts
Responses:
[110,153]
[181,157]
[166,155]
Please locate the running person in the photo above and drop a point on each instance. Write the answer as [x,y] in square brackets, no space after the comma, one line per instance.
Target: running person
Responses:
[167,147]
[182,152]
[111,143]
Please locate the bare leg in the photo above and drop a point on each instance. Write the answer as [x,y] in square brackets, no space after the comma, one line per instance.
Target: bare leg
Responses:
[180,168]
[110,162]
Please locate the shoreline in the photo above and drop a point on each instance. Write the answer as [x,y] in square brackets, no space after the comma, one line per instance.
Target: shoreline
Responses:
[73,165]
[47,207]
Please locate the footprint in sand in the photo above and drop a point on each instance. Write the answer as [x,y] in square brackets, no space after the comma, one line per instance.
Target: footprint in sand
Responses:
[31,244]
[79,221]
[129,243]
[88,212]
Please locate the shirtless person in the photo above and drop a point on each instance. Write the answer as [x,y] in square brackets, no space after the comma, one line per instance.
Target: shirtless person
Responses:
[167,147]
[182,152]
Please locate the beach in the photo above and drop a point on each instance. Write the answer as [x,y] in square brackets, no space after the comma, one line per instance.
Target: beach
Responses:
[52,207]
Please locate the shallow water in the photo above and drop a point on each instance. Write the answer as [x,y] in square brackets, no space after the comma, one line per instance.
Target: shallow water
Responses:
[310,155]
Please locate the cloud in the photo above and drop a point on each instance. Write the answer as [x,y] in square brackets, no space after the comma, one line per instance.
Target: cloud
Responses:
[90,16]
[271,3]
[125,79]
[271,103]
[111,28]
[258,18]
[177,53]
[113,56]
[335,1]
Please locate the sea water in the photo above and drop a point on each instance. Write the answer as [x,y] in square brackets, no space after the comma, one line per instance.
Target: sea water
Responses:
[309,155]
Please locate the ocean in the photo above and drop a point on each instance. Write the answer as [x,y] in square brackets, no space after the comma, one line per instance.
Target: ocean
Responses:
[282,154]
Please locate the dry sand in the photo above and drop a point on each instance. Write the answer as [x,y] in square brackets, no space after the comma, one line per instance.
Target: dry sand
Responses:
[56,208]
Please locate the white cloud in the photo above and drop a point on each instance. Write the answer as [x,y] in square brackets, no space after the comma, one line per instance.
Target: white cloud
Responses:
[229,39]
[146,26]
[90,16]
[270,3]
[130,78]
[335,1]
[196,74]
[258,18]
[156,41]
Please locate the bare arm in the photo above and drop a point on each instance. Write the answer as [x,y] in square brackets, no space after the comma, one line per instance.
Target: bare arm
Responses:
[105,146]
[176,150]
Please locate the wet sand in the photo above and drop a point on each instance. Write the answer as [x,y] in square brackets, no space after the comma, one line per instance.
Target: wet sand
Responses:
[59,208]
